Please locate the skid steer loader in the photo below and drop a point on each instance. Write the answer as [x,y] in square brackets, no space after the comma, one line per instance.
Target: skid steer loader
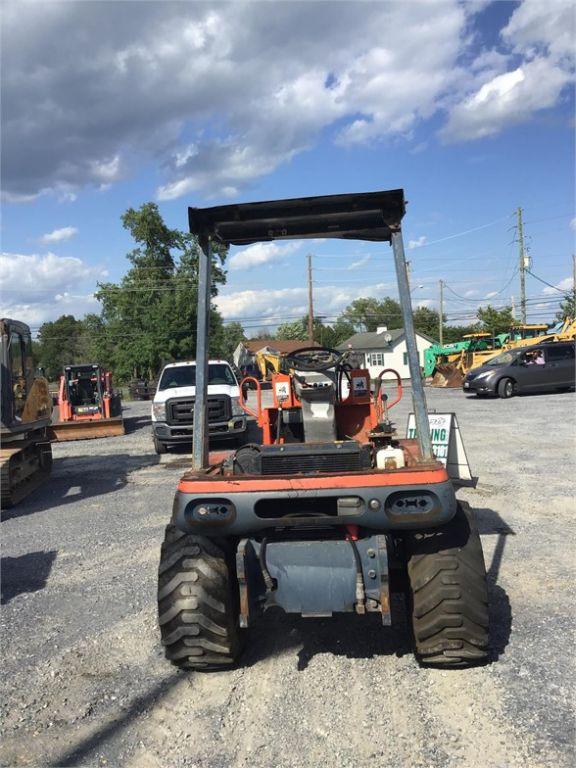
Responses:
[331,512]
[88,406]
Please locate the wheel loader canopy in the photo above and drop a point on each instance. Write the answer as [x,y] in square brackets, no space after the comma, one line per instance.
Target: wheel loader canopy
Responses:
[364,216]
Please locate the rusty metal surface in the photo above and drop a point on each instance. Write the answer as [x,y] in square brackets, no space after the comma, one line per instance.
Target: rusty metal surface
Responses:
[86,430]
[447,375]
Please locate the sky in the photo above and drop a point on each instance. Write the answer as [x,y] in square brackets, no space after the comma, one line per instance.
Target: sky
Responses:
[467,106]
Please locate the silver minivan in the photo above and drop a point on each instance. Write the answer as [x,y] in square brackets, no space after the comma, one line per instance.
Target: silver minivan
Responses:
[538,368]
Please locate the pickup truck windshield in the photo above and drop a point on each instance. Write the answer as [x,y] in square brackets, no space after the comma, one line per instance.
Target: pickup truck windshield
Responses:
[185,376]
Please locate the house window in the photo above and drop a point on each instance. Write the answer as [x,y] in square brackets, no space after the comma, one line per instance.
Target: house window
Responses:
[376,358]
[405,358]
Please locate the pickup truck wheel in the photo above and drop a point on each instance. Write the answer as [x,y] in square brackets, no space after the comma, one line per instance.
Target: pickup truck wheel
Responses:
[160,447]
[448,593]
[198,608]
[505,388]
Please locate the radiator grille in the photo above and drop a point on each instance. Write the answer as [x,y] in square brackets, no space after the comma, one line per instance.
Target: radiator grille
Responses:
[182,411]
[334,462]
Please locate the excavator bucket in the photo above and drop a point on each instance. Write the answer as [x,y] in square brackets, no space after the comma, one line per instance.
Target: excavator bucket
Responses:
[447,375]
[62,431]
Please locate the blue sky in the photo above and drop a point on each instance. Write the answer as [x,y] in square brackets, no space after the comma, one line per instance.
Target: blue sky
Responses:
[467,106]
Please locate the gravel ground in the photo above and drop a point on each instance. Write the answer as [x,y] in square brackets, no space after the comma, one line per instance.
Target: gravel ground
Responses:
[85,682]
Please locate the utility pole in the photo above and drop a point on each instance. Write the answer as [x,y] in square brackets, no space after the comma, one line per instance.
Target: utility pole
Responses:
[574,282]
[310,302]
[513,307]
[522,268]
[409,272]
[441,314]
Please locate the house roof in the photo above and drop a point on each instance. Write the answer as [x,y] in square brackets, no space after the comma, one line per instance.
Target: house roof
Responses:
[281,346]
[373,340]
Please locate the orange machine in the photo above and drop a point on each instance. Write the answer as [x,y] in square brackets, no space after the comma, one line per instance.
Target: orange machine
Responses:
[88,406]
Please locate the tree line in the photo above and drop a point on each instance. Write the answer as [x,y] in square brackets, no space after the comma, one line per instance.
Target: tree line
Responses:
[149,317]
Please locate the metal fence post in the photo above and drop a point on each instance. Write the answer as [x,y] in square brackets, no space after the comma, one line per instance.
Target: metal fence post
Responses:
[418,396]
[200,432]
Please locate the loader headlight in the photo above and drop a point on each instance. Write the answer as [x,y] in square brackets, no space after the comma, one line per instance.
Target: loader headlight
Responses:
[237,409]
[159,411]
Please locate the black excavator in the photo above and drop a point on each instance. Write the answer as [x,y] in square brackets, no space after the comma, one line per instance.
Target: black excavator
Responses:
[26,409]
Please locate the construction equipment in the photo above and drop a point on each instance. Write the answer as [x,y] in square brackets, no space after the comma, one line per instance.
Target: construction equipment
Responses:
[452,371]
[26,454]
[448,369]
[142,389]
[88,406]
[332,512]
[267,363]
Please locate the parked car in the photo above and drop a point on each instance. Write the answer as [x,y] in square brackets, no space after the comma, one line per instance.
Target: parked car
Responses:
[173,405]
[538,368]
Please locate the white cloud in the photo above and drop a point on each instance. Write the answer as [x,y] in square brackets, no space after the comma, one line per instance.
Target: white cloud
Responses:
[422,240]
[358,264]
[41,287]
[573,224]
[491,295]
[260,253]
[541,35]
[329,301]
[564,285]
[57,235]
[216,95]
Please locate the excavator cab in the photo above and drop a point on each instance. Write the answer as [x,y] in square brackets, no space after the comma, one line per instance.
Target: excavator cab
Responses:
[26,454]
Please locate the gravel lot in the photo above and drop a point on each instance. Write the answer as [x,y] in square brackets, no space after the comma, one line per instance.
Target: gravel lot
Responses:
[85,682]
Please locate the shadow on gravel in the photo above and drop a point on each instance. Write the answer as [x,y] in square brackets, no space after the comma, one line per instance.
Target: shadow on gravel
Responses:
[355,637]
[491,524]
[27,573]
[78,754]
[134,423]
[81,477]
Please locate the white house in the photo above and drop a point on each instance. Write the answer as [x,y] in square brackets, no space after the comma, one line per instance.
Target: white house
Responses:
[385,349]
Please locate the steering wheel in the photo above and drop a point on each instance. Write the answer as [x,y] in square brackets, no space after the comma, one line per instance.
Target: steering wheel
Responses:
[314,359]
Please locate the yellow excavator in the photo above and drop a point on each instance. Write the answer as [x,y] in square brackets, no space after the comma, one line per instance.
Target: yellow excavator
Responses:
[452,372]
[26,408]
[267,364]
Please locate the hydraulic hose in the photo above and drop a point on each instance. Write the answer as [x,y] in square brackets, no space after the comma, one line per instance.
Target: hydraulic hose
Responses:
[360,591]
[268,580]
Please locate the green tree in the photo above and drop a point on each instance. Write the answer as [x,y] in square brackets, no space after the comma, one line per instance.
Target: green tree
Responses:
[567,307]
[59,344]
[494,320]
[297,330]
[150,316]
[368,314]
[230,336]
[426,321]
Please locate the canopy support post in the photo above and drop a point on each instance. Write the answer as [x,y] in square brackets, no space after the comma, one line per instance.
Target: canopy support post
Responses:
[200,431]
[418,396]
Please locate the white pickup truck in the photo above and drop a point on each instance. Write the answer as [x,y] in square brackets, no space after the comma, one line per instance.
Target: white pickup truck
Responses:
[173,404]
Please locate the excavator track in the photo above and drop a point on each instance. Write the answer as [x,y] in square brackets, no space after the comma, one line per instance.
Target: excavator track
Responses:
[24,466]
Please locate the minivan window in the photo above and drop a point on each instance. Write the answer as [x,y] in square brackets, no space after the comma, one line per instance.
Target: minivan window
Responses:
[504,358]
[185,376]
[564,352]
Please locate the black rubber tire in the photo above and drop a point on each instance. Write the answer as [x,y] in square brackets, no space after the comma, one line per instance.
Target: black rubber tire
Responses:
[160,447]
[197,603]
[448,593]
[505,388]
